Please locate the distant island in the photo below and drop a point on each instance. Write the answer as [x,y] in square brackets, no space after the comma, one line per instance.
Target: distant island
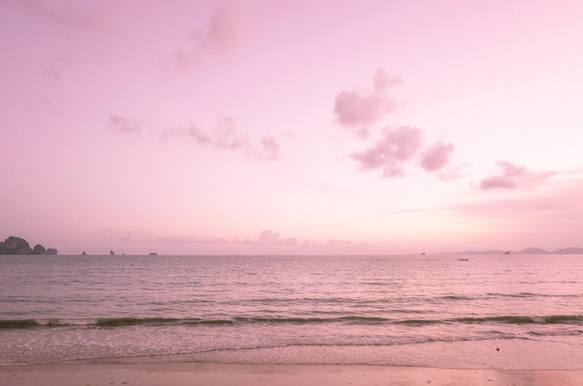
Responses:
[528,251]
[18,246]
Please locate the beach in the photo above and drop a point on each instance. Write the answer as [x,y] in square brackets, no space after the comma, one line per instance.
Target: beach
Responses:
[248,375]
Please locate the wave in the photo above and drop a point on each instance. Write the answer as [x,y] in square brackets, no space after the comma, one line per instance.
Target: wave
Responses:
[555,333]
[106,322]
[455,297]
[532,295]
[360,320]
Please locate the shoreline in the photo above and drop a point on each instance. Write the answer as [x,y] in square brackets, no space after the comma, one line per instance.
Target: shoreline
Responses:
[192,373]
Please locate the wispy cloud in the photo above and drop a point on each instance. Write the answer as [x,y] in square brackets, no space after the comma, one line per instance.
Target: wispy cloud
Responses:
[123,124]
[74,15]
[509,208]
[220,39]
[265,238]
[358,110]
[195,240]
[512,176]
[225,136]
[53,75]
[454,172]
[556,208]
[266,242]
[274,238]
[269,149]
[273,243]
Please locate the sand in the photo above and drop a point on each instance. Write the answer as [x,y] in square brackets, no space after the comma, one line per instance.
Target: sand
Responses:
[248,375]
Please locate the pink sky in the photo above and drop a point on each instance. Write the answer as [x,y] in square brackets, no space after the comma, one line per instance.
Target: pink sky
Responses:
[291,127]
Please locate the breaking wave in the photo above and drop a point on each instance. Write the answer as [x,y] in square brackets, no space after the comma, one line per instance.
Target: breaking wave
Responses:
[361,320]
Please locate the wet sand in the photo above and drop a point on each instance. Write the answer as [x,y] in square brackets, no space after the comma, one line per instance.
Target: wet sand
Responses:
[248,375]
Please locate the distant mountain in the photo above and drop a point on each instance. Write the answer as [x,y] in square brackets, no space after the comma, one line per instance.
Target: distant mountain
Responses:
[533,251]
[571,250]
[488,252]
[562,251]
[527,251]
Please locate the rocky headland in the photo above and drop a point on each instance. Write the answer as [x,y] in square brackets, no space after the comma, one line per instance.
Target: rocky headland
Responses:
[18,246]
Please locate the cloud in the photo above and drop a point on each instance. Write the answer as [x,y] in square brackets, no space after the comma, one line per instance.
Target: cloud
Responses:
[70,15]
[267,242]
[269,149]
[453,173]
[509,208]
[359,109]
[382,82]
[53,75]
[268,237]
[393,150]
[437,156]
[273,238]
[195,240]
[225,137]
[513,176]
[220,39]
[265,238]
[123,124]
[225,30]
[339,242]
[555,208]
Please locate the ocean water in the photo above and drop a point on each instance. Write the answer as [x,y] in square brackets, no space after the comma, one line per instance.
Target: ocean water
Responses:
[454,311]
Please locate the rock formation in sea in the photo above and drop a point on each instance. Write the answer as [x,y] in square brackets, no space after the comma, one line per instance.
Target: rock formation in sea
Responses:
[15,246]
[19,246]
[39,250]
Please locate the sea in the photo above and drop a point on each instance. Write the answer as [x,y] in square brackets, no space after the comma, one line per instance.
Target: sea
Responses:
[466,311]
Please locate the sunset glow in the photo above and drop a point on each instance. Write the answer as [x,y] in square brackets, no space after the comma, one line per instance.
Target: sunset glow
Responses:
[291,127]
